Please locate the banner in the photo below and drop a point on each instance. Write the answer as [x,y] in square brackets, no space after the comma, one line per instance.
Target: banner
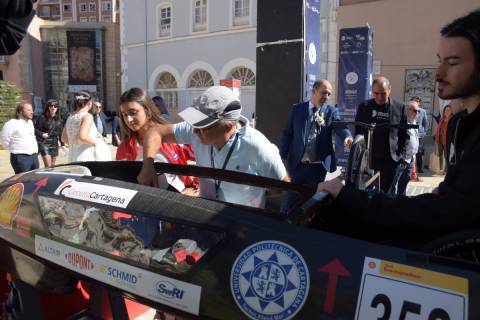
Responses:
[81,61]
[354,77]
[311,71]
[421,82]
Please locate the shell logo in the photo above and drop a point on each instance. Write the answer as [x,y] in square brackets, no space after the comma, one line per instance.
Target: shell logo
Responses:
[372,265]
[10,201]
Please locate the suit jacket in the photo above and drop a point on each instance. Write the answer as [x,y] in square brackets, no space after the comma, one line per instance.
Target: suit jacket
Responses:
[422,122]
[294,136]
[398,138]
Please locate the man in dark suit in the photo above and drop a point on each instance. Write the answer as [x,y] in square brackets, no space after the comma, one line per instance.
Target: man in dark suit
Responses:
[389,144]
[306,141]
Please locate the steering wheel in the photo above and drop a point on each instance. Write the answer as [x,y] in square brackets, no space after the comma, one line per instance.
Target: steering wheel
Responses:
[357,166]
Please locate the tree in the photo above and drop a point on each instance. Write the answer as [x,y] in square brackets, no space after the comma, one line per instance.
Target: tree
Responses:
[9,99]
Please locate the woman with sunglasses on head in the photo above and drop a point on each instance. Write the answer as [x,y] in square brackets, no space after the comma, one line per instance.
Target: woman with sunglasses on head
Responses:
[48,128]
[80,133]
[138,114]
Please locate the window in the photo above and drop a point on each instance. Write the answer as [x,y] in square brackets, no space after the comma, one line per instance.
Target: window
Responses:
[107,18]
[56,11]
[83,19]
[200,15]
[241,12]
[243,74]
[165,20]
[45,11]
[67,8]
[83,7]
[167,89]
[200,79]
[92,7]
[92,19]
[106,5]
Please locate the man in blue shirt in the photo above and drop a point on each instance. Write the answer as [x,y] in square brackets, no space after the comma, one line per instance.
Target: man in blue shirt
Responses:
[222,139]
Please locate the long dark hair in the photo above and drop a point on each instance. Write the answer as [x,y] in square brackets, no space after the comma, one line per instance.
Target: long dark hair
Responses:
[141,97]
[81,99]
[47,114]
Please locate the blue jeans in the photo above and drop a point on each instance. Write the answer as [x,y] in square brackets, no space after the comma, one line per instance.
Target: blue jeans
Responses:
[23,162]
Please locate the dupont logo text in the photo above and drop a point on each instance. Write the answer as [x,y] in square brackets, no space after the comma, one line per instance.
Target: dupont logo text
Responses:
[78,261]
[169,291]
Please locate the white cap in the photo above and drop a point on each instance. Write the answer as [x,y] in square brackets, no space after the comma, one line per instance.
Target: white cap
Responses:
[215,103]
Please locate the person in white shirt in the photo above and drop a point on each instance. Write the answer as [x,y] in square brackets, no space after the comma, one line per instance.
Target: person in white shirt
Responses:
[412,109]
[222,139]
[18,136]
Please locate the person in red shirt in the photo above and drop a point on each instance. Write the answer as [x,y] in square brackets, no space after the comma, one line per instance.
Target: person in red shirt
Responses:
[138,113]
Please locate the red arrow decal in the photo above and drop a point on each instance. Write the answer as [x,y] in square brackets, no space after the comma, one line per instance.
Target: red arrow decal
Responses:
[334,269]
[40,183]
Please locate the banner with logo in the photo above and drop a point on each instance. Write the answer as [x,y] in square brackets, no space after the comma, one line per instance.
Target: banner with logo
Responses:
[421,82]
[311,71]
[81,61]
[354,76]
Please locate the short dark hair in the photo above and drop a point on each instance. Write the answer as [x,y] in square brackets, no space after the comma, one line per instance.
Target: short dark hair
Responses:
[416,98]
[466,27]
[19,109]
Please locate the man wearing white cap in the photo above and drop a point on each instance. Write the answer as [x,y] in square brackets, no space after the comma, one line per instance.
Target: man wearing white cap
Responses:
[222,139]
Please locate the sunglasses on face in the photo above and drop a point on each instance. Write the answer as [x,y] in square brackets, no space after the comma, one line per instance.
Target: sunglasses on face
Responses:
[53,106]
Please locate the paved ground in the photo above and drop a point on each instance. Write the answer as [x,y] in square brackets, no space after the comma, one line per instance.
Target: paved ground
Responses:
[428,183]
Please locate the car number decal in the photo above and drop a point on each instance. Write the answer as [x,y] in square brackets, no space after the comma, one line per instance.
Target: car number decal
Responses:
[396,291]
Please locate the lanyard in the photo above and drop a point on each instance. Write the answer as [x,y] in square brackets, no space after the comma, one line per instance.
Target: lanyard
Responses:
[227,158]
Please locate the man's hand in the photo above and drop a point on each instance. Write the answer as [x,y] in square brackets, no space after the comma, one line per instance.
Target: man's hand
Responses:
[148,175]
[348,141]
[333,187]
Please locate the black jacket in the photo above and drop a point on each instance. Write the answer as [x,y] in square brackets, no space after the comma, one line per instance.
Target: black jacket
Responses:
[455,207]
[44,125]
[398,137]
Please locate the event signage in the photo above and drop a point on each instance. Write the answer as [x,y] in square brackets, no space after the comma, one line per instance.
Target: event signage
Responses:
[311,46]
[354,76]
[81,61]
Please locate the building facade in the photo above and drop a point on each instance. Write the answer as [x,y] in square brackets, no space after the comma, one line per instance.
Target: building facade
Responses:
[178,48]
[79,10]
[40,68]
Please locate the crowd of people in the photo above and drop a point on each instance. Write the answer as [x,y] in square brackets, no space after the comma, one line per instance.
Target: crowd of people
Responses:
[214,134]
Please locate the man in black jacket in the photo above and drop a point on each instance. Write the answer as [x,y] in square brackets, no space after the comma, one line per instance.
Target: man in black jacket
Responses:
[456,204]
[388,145]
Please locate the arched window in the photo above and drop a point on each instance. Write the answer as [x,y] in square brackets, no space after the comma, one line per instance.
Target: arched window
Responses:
[200,79]
[244,74]
[167,88]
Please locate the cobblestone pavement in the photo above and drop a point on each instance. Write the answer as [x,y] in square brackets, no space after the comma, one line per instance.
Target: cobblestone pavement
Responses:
[428,181]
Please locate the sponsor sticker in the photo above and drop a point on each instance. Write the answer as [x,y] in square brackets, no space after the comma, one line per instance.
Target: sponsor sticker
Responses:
[23,226]
[112,196]
[396,291]
[270,280]
[171,292]
[10,201]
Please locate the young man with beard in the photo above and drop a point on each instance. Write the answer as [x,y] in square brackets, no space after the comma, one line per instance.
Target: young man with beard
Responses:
[455,205]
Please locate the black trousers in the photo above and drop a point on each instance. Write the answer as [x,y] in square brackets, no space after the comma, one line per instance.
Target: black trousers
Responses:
[387,172]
